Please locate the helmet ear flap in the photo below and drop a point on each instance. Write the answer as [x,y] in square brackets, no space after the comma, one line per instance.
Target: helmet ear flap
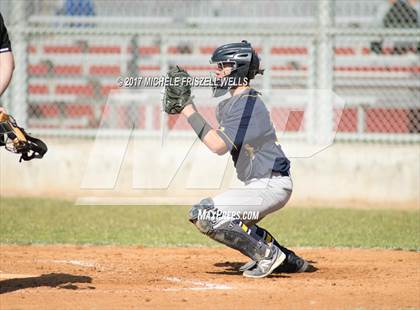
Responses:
[254,66]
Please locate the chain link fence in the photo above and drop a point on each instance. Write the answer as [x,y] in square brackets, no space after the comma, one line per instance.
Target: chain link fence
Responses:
[70,54]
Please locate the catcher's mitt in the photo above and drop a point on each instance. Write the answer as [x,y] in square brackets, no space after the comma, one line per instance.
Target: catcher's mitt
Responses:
[16,140]
[177,91]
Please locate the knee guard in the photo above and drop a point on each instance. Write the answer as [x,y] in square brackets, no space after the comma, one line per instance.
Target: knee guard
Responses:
[228,231]
[201,215]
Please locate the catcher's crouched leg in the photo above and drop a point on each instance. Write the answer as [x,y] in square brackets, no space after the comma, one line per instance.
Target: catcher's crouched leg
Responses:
[228,231]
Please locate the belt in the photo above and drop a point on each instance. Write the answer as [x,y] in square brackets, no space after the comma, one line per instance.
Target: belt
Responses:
[283,174]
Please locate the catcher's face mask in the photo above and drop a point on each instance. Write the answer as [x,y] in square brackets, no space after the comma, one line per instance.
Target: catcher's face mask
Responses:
[225,69]
[16,140]
[224,78]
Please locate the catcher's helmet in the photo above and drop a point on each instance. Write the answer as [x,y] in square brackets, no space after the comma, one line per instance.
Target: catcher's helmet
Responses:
[243,59]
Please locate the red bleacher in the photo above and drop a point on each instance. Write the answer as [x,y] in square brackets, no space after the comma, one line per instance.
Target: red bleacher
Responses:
[287,119]
[377,120]
[100,70]
[45,110]
[37,69]
[38,89]
[344,51]
[101,49]
[387,120]
[411,69]
[74,89]
[62,49]
[148,50]
[153,49]
[296,50]
[346,120]
[78,109]
[67,69]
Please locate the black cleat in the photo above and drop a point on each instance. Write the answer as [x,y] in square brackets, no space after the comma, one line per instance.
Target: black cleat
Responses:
[295,264]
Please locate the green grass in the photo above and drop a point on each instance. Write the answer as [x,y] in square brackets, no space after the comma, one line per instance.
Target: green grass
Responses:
[48,221]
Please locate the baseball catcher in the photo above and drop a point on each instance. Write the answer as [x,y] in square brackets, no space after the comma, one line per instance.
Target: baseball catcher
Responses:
[246,131]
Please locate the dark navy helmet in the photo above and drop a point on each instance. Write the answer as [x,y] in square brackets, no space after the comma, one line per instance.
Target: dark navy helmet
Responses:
[243,60]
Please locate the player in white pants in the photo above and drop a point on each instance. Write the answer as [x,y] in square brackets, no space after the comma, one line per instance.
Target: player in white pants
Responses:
[257,197]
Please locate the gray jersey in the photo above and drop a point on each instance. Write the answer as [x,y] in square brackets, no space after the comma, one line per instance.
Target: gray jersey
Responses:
[249,134]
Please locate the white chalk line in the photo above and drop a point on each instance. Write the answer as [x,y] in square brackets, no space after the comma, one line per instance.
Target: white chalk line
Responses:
[73,262]
[198,285]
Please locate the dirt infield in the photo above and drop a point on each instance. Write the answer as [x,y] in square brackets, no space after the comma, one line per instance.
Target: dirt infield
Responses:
[108,277]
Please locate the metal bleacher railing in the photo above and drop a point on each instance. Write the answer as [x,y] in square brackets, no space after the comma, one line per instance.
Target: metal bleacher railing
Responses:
[67,65]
